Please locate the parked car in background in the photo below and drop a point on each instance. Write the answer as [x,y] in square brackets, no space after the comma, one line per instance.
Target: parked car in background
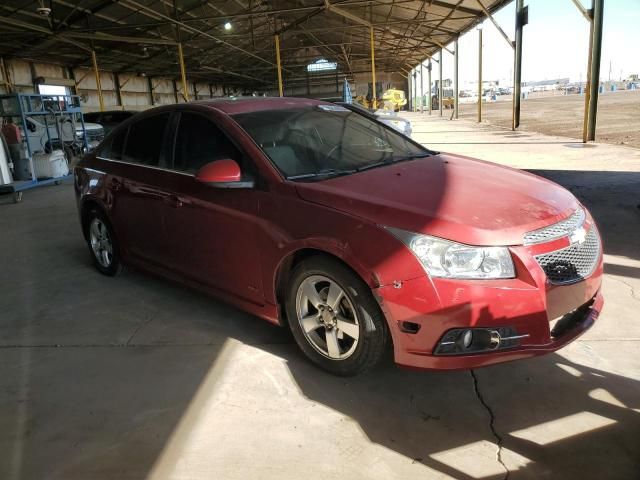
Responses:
[388,117]
[63,133]
[110,119]
[320,218]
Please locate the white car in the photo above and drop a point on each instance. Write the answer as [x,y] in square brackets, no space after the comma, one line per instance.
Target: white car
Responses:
[387,117]
[70,132]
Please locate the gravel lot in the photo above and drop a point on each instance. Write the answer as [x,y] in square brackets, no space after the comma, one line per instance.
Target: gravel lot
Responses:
[618,115]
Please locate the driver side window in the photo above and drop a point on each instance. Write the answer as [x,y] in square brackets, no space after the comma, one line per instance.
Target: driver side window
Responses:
[198,142]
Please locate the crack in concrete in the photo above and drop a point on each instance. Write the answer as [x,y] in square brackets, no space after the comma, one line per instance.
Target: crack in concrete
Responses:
[140,327]
[492,420]
[631,287]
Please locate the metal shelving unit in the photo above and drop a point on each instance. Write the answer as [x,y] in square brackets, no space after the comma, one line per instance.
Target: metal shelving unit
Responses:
[46,107]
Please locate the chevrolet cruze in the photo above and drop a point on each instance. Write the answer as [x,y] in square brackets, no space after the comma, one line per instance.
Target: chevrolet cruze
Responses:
[323,220]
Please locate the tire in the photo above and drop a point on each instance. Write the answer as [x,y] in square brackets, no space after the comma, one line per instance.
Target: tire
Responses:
[350,333]
[102,243]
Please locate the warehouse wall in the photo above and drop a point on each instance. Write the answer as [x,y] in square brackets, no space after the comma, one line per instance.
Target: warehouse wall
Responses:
[140,92]
[324,86]
[137,92]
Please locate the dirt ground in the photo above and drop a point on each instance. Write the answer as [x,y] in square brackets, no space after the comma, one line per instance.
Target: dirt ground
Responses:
[618,115]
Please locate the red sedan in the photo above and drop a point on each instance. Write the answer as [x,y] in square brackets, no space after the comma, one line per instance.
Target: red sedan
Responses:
[316,217]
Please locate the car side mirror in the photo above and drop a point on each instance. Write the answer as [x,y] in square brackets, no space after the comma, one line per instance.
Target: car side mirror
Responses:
[222,174]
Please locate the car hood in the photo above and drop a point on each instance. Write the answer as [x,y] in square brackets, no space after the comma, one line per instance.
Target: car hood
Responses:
[448,196]
[88,126]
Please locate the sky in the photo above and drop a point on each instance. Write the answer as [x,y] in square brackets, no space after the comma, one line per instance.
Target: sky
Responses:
[555,44]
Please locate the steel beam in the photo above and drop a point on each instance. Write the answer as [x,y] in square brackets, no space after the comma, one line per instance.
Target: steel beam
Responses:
[422,87]
[480,75]
[429,78]
[409,91]
[440,89]
[278,64]
[456,86]
[587,89]
[596,52]
[150,85]
[98,36]
[183,73]
[517,66]
[495,24]
[116,81]
[583,10]
[98,84]
[373,70]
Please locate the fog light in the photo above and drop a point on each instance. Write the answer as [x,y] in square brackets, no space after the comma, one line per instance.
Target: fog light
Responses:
[467,338]
[464,341]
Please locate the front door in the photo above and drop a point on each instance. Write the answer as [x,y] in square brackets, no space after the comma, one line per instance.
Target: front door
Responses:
[213,233]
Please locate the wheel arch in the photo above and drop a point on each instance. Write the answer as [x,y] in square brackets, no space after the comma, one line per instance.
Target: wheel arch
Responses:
[87,206]
[288,263]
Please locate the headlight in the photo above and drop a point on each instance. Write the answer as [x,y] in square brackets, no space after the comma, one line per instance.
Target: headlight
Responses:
[446,259]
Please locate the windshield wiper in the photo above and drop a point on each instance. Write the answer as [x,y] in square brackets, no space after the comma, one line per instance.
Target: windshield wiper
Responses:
[321,174]
[393,160]
[374,165]
[411,157]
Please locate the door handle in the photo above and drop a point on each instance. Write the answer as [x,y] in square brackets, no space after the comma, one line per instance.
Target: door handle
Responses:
[116,184]
[173,201]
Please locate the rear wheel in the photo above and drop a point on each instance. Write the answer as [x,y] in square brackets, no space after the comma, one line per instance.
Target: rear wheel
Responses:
[334,318]
[102,244]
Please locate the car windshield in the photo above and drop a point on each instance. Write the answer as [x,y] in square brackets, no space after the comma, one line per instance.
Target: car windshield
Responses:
[317,142]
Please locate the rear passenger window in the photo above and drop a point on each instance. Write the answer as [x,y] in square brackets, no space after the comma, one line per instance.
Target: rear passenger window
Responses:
[199,142]
[145,140]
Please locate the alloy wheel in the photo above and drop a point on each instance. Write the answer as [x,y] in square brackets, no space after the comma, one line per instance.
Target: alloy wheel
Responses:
[101,243]
[327,317]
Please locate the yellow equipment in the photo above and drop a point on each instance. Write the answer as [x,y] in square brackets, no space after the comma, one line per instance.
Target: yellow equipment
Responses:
[394,99]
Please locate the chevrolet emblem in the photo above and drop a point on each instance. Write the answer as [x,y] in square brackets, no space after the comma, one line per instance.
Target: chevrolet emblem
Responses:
[578,236]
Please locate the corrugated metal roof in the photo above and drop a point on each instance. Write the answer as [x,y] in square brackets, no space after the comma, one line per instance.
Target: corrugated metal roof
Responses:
[141,35]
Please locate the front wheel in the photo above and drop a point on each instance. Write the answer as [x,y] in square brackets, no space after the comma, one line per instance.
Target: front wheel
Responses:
[334,317]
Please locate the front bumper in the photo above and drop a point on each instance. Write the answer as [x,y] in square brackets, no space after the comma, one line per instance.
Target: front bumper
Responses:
[527,303]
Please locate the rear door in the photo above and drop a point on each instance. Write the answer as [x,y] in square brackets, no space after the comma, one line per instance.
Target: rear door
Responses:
[141,188]
[214,232]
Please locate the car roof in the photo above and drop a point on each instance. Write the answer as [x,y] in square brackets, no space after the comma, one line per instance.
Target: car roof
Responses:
[110,112]
[233,105]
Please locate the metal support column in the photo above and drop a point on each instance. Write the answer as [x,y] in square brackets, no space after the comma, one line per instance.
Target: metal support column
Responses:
[415,90]
[455,78]
[517,66]
[150,85]
[175,90]
[373,70]
[480,74]
[596,51]
[422,87]
[279,65]
[116,81]
[98,84]
[429,67]
[440,89]
[587,86]
[183,73]
[409,93]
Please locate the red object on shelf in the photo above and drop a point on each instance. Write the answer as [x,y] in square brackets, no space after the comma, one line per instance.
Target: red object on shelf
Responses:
[11,133]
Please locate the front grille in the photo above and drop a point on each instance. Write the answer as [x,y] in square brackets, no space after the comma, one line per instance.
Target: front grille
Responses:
[573,263]
[557,230]
[95,134]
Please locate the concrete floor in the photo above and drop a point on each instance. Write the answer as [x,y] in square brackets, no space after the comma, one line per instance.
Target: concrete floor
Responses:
[135,377]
